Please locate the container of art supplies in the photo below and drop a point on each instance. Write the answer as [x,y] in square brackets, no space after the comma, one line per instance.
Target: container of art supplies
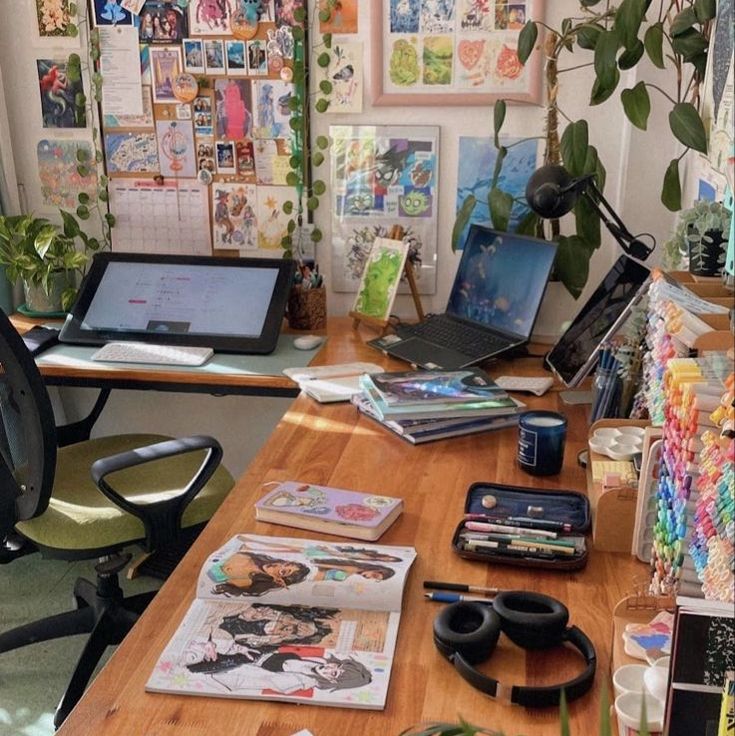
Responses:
[628,707]
[307,308]
[526,527]
[629,679]
[541,439]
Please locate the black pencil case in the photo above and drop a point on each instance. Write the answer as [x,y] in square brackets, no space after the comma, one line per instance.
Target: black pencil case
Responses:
[569,508]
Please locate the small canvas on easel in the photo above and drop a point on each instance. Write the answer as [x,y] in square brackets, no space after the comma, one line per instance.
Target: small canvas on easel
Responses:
[379,281]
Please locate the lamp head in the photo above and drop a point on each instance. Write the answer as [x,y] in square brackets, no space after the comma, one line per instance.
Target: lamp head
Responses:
[551,192]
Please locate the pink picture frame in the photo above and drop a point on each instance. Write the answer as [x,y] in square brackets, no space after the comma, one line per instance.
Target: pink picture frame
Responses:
[473,54]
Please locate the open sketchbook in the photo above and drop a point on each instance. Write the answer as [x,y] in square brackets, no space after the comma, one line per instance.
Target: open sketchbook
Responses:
[295,620]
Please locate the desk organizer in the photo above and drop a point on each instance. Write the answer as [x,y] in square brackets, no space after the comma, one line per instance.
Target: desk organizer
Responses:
[492,503]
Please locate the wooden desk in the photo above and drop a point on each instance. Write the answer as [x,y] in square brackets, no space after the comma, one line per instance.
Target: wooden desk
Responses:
[334,445]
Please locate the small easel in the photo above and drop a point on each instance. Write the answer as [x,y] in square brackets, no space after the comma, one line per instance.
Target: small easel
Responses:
[396,233]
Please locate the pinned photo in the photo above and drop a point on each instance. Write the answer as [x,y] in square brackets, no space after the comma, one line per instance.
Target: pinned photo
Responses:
[194,55]
[162,22]
[214,56]
[226,162]
[236,61]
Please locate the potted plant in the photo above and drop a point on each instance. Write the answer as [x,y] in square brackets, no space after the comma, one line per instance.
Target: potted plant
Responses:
[45,258]
[701,235]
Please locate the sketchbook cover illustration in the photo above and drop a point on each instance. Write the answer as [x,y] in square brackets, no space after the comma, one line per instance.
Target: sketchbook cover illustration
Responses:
[330,510]
[292,620]
[420,387]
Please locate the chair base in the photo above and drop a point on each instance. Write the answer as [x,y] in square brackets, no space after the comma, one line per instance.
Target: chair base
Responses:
[102,612]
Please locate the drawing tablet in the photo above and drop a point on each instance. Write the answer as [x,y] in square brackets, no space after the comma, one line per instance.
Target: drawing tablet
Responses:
[574,355]
[233,305]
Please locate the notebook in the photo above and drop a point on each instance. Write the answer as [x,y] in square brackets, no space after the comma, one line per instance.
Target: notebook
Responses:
[492,307]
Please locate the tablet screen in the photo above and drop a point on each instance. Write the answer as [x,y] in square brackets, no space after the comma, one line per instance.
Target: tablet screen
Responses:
[574,354]
[229,304]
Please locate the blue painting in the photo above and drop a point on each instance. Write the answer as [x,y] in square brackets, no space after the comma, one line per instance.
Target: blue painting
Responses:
[404,16]
[477,157]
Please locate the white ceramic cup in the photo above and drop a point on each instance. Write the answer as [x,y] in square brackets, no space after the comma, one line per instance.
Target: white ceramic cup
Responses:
[629,679]
[628,711]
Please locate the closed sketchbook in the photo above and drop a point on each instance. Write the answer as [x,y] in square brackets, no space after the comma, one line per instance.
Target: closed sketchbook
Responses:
[294,620]
[329,510]
[410,388]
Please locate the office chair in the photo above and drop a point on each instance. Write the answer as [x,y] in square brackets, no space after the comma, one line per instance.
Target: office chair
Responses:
[90,500]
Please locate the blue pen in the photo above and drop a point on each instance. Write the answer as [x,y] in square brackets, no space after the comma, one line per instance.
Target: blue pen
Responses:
[455,597]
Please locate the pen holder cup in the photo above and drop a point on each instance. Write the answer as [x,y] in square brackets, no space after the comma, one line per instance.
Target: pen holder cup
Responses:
[541,439]
[307,308]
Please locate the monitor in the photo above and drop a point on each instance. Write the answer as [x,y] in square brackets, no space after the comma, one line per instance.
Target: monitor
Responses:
[233,305]
[501,280]
[574,355]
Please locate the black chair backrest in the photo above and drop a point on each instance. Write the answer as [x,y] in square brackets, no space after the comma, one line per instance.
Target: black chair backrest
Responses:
[27,433]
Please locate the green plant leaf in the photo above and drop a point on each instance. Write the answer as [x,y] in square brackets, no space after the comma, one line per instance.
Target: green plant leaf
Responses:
[528,224]
[288,207]
[588,3]
[290,227]
[322,142]
[316,235]
[83,198]
[292,179]
[574,142]
[294,103]
[605,725]
[602,89]
[323,60]
[637,105]
[298,33]
[526,41]
[564,713]
[321,105]
[500,204]
[593,165]
[317,158]
[110,219]
[324,15]
[312,203]
[689,44]
[44,240]
[605,53]
[628,19]
[688,127]
[643,727]
[83,212]
[502,153]
[705,10]
[300,14]
[319,187]
[572,264]
[82,155]
[683,21]
[71,226]
[588,34]
[462,220]
[327,40]
[499,109]
[630,57]
[671,191]
[587,223]
[326,86]
[654,44]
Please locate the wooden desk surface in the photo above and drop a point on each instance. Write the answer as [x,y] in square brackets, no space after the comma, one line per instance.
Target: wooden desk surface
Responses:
[334,445]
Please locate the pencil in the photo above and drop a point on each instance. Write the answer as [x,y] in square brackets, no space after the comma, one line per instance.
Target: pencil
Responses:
[461,587]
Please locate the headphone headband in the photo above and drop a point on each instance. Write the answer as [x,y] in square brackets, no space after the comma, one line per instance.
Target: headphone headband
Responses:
[466,633]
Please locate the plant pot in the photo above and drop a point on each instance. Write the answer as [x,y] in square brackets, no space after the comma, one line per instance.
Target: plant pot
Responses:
[307,308]
[37,300]
[706,252]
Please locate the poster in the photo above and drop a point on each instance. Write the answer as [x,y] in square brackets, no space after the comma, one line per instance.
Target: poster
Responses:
[233,108]
[272,111]
[165,67]
[55,22]
[176,152]
[131,153]
[111,13]
[383,176]
[61,183]
[60,87]
[210,17]
[234,216]
[477,158]
[272,220]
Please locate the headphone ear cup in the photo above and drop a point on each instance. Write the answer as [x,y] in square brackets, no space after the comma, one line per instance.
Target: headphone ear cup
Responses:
[531,620]
[468,628]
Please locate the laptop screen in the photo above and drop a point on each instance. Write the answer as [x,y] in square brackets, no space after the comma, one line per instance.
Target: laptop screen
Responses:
[501,280]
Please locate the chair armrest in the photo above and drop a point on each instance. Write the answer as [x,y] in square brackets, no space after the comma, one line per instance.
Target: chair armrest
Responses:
[69,434]
[162,519]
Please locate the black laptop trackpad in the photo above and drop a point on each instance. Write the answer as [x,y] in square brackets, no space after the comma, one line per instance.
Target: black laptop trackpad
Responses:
[421,353]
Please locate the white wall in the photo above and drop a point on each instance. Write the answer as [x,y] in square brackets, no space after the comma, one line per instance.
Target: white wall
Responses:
[635,162]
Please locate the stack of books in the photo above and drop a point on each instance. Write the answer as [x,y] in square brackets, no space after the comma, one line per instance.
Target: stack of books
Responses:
[421,406]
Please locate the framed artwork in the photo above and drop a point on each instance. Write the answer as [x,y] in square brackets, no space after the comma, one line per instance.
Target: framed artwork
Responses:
[380,278]
[452,52]
[383,176]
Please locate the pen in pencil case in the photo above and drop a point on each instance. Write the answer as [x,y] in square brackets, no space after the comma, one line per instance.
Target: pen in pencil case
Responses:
[522,522]
[479,526]
[455,598]
[527,545]
[477,545]
[519,538]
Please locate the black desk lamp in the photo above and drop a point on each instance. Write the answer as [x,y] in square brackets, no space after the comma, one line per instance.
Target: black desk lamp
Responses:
[552,192]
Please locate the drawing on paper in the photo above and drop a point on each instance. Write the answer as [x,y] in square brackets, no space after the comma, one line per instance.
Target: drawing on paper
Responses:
[342,17]
[61,92]
[129,153]
[232,103]
[234,221]
[272,111]
[380,278]
[110,13]
[345,73]
[165,67]
[272,220]
[209,17]
[176,148]
[61,183]
[54,19]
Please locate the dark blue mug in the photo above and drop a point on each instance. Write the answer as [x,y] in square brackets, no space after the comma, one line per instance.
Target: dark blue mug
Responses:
[541,439]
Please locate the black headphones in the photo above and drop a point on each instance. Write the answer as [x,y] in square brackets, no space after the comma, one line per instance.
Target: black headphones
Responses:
[466,633]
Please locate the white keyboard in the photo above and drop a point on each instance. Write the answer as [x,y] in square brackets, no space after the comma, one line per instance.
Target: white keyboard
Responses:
[144,352]
[538,385]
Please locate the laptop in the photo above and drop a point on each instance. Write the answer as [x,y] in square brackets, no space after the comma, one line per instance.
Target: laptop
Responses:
[492,307]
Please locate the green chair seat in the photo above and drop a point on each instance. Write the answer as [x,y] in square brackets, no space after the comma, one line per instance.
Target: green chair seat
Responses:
[80,517]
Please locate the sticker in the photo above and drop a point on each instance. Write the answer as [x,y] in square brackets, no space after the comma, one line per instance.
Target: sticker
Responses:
[243,25]
[186,87]
[204,177]
[286,74]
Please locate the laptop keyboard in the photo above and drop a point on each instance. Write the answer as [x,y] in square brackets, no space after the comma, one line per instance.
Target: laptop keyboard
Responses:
[456,335]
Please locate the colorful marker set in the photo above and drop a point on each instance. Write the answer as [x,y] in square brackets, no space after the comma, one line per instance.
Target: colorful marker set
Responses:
[692,391]
[713,535]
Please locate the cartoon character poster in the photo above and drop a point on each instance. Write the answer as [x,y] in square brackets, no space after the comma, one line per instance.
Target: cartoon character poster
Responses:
[61,183]
[210,17]
[111,13]
[234,223]
[272,111]
[233,108]
[384,176]
[61,91]
[477,157]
